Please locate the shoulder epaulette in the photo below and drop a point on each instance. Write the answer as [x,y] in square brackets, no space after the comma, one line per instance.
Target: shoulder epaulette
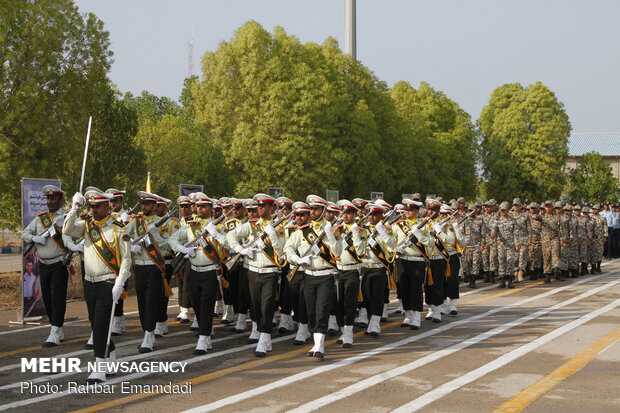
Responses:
[119,224]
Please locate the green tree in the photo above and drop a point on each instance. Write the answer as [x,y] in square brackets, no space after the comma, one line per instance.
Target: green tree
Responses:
[441,139]
[150,107]
[52,77]
[524,133]
[593,181]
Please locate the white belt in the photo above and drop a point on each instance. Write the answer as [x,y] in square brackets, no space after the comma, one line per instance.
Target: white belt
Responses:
[411,258]
[99,278]
[372,266]
[205,268]
[143,262]
[169,262]
[319,272]
[452,253]
[349,267]
[263,270]
[51,260]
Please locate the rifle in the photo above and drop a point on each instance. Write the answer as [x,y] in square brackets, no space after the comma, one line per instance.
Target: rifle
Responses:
[308,252]
[231,262]
[179,261]
[410,237]
[390,218]
[460,221]
[129,212]
[158,224]
[45,234]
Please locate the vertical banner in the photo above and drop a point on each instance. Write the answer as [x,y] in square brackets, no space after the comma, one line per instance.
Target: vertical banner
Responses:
[275,192]
[376,195]
[186,189]
[33,203]
[332,195]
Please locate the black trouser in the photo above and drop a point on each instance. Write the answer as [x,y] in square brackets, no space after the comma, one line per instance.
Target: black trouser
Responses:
[203,288]
[118,308]
[163,306]
[244,294]
[617,242]
[232,292]
[609,245]
[411,282]
[318,291]
[433,294]
[53,280]
[373,289]
[348,285]
[98,298]
[183,283]
[263,288]
[284,298]
[149,289]
[451,287]
[297,298]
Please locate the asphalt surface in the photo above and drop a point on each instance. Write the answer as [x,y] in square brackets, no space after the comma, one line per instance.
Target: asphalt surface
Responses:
[540,347]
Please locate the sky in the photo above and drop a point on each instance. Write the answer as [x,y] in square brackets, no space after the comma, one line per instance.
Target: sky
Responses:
[464,48]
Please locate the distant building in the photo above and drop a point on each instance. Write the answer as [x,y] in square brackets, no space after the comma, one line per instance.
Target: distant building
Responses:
[605,143]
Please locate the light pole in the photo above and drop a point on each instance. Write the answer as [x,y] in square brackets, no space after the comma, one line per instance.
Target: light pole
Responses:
[350,45]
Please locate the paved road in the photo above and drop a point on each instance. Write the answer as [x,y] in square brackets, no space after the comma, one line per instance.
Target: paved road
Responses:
[10,262]
[538,347]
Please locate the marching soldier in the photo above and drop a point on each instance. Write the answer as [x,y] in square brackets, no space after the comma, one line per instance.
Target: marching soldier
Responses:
[347,279]
[264,267]
[535,248]
[314,247]
[286,325]
[566,240]
[454,241]
[489,248]
[107,261]
[583,239]
[436,276]
[117,202]
[205,262]
[506,232]
[524,228]
[165,231]
[601,239]
[550,237]
[45,232]
[472,229]
[118,212]
[412,246]
[149,267]
[185,205]
[573,265]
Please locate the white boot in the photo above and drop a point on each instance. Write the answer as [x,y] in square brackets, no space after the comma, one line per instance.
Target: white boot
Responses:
[274,322]
[453,310]
[194,326]
[117,325]
[415,321]
[219,307]
[53,339]
[302,335]
[400,309]
[229,315]
[443,308]
[408,321]
[98,374]
[286,324]
[60,333]
[431,312]
[363,319]
[318,350]
[374,326]
[111,359]
[161,329]
[254,335]
[263,346]
[183,316]
[89,343]
[332,326]
[148,342]
[384,315]
[204,344]
[347,337]
[436,314]
[240,326]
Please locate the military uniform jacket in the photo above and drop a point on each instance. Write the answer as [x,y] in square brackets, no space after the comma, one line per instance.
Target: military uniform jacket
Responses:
[566,233]
[472,229]
[296,246]
[488,222]
[159,237]
[453,241]
[524,225]
[536,230]
[506,231]
[602,225]
[410,250]
[358,241]
[244,231]
[114,234]
[550,228]
[386,242]
[49,250]
[185,234]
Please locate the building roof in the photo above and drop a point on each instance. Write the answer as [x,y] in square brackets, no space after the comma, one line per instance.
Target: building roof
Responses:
[605,143]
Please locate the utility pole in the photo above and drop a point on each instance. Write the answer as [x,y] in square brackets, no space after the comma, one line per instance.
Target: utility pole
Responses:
[190,58]
[350,44]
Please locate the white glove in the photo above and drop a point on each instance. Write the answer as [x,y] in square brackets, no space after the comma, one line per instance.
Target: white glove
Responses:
[78,247]
[400,250]
[78,200]
[329,232]
[381,229]
[188,252]
[457,229]
[125,217]
[37,239]
[418,233]
[117,291]
[270,231]
[136,249]
[212,229]
[355,230]
[438,228]
[248,252]
[304,261]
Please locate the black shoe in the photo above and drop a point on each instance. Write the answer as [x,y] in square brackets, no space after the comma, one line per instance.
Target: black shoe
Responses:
[414,327]
[225,322]
[563,275]
[547,278]
[260,354]
[347,345]
[502,284]
[200,352]
[454,312]
[362,325]
[436,320]
[510,283]
[49,344]
[252,340]
[144,349]
[405,325]
[339,341]
[472,282]
[310,354]
[115,334]
[88,346]
[318,355]
[492,277]
[298,342]
[598,267]
[487,277]
[383,320]
[184,320]
[332,332]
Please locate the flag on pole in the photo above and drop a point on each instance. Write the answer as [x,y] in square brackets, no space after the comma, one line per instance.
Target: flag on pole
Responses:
[148,182]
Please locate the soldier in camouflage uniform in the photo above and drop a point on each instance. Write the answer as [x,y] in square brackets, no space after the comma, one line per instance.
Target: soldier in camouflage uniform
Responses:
[583,238]
[600,224]
[507,235]
[489,248]
[550,235]
[535,247]
[573,260]
[524,226]
[566,240]
[472,228]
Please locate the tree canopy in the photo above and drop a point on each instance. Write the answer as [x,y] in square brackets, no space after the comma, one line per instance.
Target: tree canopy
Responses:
[593,181]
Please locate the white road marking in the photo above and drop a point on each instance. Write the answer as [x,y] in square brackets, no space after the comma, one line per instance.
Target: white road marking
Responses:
[306,374]
[453,385]
[406,368]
